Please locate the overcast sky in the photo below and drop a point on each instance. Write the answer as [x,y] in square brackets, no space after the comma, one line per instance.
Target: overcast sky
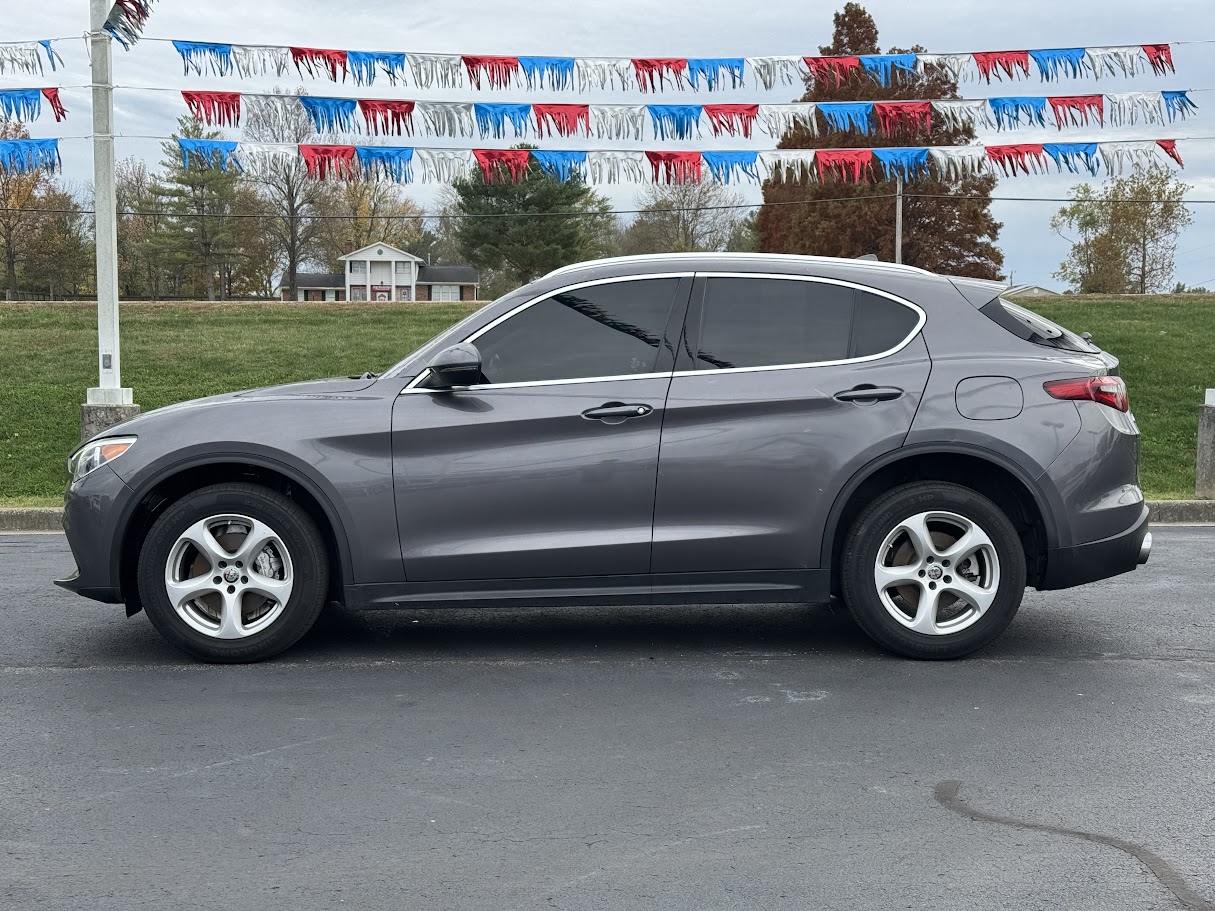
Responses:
[709,28]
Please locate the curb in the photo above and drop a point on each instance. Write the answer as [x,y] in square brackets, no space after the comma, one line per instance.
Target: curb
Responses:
[1164,512]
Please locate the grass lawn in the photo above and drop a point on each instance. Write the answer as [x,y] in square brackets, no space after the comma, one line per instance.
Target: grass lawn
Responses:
[176,352]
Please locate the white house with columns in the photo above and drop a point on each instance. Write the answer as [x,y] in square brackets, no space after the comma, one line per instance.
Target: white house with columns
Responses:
[382,272]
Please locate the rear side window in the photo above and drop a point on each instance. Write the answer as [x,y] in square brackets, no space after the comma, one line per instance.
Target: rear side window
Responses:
[767,322]
[613,329]
[1027,325]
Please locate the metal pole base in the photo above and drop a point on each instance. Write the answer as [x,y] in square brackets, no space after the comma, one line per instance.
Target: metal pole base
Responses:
[1205,478]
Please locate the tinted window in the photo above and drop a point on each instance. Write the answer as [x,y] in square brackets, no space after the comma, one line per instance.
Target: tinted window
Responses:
[759,322]
[880,324]
[602,330]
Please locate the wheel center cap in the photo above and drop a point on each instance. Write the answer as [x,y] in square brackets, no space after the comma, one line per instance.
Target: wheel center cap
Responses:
[935,572]
[231,574]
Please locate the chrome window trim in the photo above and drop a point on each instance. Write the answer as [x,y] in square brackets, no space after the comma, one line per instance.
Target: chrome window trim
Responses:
[923,318]
[412,387]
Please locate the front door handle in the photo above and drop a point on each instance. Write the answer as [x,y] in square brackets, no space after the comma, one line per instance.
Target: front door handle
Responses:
[869,394]
[617,412]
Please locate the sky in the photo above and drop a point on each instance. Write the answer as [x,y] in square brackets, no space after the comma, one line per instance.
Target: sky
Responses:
[642,28]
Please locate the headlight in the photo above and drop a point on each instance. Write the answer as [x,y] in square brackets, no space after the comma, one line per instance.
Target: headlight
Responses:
[91,456]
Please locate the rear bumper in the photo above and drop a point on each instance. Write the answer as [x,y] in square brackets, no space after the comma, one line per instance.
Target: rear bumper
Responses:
[1070,566]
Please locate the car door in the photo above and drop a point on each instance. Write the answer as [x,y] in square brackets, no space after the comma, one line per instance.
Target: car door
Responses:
[785,385]
[546,468]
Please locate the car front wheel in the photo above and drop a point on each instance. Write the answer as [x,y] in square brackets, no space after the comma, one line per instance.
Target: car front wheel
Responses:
[933,570]
[233,572]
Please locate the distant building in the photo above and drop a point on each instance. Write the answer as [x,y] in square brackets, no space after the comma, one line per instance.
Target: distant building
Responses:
[381,272]
[1030,291]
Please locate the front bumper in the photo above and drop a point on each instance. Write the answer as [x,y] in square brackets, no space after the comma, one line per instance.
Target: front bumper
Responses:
[1070,566]
[90,520]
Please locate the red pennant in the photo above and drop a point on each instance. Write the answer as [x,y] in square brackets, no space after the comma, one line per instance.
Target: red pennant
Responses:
[562,119]
[1026,157]
[214,108]
[652,72]
[494,161]
[329,161]
[732,118]
[499,72]
[52,97]
[319,61]
[1170,149]
[1160,56]
[1074,109]
[675,167]
[841,68]
[910,115]
[392,118]
[850,164]
[992,63]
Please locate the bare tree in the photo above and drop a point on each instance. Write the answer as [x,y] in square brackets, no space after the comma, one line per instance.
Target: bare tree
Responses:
[282,180]
[374,210]
[684,218]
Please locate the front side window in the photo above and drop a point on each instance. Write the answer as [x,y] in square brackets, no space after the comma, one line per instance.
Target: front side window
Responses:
[613,329]
[767,322]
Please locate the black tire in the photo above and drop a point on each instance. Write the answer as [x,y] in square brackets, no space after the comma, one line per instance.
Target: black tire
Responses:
[880,519]
[298,533]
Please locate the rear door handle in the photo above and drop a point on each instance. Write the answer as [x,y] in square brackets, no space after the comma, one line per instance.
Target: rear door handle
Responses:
[869,394]
[617,412]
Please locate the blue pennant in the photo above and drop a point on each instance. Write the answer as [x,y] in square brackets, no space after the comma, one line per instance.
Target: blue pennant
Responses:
[491,118]
[21,104]
[562,165]
[51,55]
[204,152]
[714,70]
[20,155]
[675,121]
[1058,62]
[393,162]
[1009,111]
[848,115]
[330,115]
[904,163]
[200,54]
[725,166]
[557,72]
[1178,104]
[363,65]
[1073,155]
[882,66]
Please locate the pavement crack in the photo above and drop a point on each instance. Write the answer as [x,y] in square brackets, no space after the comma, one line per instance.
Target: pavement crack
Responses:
[946,794]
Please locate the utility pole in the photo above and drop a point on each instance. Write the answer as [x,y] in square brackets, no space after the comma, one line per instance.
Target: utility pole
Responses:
[898,219]
[108,403]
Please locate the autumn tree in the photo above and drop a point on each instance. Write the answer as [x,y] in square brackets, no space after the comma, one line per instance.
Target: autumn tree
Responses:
[955,235]
[1123,237]
[60,256]
[140,269]
[683,218]
[359,212]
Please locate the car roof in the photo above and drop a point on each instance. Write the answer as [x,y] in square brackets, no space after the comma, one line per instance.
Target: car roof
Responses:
[709,261]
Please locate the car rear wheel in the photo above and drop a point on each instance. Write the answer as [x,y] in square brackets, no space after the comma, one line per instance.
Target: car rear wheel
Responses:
[233,572]
[933,570]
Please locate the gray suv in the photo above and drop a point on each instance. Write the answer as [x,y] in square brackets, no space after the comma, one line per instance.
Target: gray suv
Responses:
[646,430]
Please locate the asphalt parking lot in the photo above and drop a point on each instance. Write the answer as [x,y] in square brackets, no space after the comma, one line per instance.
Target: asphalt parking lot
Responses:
[614,758]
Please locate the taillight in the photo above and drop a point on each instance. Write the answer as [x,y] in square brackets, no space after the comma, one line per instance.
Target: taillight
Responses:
[1104,390]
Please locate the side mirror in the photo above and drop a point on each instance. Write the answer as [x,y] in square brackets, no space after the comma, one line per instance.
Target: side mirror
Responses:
[459,365]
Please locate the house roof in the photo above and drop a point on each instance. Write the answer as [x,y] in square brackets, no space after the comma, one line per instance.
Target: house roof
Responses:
[373,249]
[314,280]
[450,275]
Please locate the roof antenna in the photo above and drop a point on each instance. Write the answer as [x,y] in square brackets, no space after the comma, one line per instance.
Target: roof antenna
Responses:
[869,257]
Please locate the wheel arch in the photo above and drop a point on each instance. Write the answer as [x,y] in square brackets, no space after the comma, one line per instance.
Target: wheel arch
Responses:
[1028,504]
[160,488]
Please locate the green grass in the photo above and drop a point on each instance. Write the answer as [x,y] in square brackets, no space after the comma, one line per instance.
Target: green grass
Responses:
[176,352]
[171,353]
[1166,346]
